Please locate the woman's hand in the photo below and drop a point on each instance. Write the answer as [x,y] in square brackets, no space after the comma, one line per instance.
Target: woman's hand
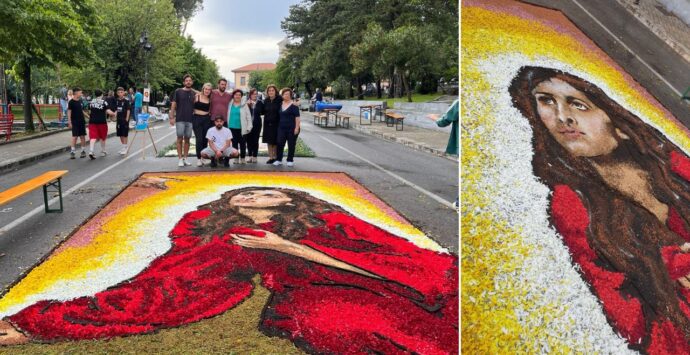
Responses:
[432,116]
[11,336]
[270,241]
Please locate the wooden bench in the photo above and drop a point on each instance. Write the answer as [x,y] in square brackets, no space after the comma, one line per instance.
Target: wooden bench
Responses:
[319,117]
[343,121]
[396,119]
[6,121]
[48,179]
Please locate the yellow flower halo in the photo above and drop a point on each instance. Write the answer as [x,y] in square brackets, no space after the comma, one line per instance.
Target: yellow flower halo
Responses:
[138,233]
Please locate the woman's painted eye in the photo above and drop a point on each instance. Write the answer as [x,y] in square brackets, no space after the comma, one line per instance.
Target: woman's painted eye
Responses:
[548,100]
[579,105]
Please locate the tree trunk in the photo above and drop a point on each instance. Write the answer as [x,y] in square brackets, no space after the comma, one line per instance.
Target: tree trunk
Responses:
[28,119]
[351,93]
[378,89]
[360,92]
[407,87]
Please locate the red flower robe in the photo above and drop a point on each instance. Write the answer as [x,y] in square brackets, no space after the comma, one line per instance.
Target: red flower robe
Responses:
[322,309]
[571,220]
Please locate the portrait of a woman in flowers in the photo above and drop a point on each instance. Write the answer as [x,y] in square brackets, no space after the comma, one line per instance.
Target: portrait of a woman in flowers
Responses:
[620,200]
[337,283]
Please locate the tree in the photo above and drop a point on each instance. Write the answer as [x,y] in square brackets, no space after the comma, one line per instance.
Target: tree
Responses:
[185,10]
[201,68]
[40,33]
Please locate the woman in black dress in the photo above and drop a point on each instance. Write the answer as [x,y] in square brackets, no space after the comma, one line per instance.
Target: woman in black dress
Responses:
[252,138]
[202,120]
[271,111]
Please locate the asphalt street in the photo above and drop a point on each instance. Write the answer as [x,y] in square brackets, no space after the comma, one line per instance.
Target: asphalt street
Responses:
[420,186]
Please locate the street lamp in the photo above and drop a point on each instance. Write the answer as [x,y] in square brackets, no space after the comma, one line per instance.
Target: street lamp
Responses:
[147,46]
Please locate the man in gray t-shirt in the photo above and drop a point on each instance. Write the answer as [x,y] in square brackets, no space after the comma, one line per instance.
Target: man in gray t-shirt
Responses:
[181,111]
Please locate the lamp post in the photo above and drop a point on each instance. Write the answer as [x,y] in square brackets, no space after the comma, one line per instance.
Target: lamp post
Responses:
[147,46]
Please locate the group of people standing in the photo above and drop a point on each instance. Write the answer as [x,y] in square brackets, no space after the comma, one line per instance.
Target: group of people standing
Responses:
[228,125]
[121,107]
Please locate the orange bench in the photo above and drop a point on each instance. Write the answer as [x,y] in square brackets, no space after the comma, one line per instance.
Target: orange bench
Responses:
[48,179]
[396,119]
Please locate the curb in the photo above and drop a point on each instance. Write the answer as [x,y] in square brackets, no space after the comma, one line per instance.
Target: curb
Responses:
[406,142]
[10,164]
[37,135]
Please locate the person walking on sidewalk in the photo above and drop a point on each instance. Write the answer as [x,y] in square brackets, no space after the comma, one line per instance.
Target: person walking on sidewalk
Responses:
[449,118]
[181,115]
[220,100]
[202,120]
[253,137]
[288,129]
[122,108]
[240,123]
[219,144]
[98,123]
[271,112]
[75,120]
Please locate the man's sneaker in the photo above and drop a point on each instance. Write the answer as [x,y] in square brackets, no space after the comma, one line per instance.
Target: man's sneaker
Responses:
[290,163]
[242,161]
[186,163]
[104,153]
[83,154]
[236,161]
[226,162]
[213,163]
[92,156]
[270,161]
[277,163]
[199,162]
[123,151]
[72,155]
[180,163]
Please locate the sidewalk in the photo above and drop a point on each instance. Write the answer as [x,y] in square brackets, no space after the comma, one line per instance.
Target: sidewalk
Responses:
[425,140]
[28,150]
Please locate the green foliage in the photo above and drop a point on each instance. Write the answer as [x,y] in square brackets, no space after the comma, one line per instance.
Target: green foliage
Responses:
[261,79]
[199,66]
[40,33]
[45,32]
[345,42]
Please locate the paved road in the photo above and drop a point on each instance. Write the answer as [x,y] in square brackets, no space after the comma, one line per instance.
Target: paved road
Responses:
[655,65]
[387,169]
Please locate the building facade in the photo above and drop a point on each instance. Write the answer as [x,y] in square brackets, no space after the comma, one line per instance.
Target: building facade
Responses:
[242,74]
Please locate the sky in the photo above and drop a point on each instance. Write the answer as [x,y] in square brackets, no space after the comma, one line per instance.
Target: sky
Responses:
[237,33]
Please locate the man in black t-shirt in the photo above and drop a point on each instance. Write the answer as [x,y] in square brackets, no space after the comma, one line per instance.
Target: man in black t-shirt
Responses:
[98,124]
[122,109]
[75,121]
[181,112]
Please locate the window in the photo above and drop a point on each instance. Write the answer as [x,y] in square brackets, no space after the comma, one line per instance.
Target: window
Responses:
[242,80]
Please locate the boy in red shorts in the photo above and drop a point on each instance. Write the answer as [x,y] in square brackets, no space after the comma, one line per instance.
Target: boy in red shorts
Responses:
[98,125]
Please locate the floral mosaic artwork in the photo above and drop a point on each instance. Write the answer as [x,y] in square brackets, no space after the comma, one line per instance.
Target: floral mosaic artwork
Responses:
[345,273]
[575,186]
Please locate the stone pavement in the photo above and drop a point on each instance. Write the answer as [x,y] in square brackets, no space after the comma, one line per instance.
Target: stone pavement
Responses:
[25,151]
[422,139]
[664,24]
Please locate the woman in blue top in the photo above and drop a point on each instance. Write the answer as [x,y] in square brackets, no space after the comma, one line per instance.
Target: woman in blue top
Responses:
[288,128]
[240,124]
